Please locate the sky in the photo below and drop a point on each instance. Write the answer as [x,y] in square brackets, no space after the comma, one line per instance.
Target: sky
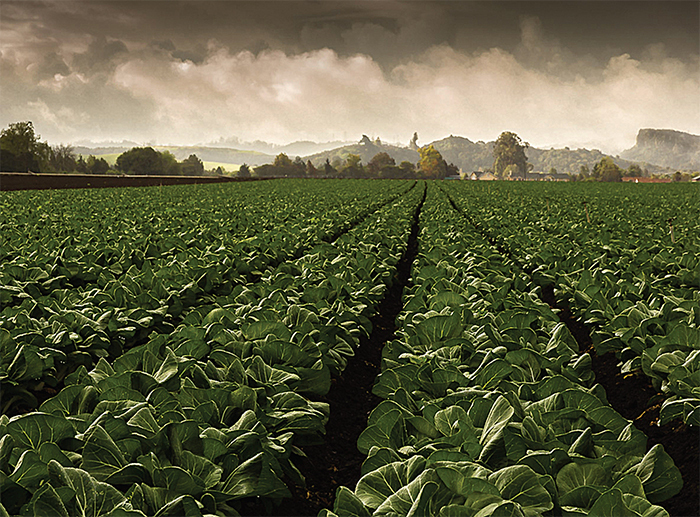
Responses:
[568,73]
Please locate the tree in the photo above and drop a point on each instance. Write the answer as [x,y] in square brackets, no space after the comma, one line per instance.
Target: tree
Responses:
[413,144]
[379,162]
[607,170]
[328,169]
[431,164]
[282,160]
[96,165]
[146,160]
[635,171]
[81,166]
[311,171]
[510,150]
[299,167]
[511,171]
[408,169]
[20,148]
[138,160]
[282,166]
[192,166]
[169,164]
[352,168]
[244,171]
[62,158]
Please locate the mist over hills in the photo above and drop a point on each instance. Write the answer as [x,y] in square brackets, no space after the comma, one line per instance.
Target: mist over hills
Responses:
[659,151]
[298,148]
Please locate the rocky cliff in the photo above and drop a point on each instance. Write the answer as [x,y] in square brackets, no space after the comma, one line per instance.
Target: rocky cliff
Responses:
[666,147]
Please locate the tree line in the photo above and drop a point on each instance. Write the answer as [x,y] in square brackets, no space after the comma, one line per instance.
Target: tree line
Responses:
[382,166]
[21,150]
[510,162]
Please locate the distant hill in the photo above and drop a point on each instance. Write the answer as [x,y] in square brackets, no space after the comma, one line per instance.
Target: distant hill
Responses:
[366,151]
[222,155]
[465,154]
[666,147]
[218,154]
[100,150]
[299,148]
[478,156]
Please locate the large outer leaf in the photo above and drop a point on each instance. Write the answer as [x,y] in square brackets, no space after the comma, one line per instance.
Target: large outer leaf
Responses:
[347,503]
[611,504]
[498,417]
[376,486]
[254,477]
[465,478]
[413,499]
[92,498]
[33,429]
[101,456]
[575,475]
[439,328]
[30,471]
[46,502]
[660,476]
[521,484]
[387,432]
[261,329]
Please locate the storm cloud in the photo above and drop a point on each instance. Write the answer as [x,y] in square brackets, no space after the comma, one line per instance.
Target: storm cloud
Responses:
[194,72]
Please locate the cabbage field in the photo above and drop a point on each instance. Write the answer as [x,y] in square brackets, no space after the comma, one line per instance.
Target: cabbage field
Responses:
[350,347]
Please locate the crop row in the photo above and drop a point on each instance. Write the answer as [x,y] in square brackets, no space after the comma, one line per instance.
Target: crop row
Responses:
[192,421]
[90,274]
[489,405]
[626,273]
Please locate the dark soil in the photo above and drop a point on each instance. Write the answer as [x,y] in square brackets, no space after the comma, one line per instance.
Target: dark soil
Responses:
[44,181]
[635,398]
[337,462]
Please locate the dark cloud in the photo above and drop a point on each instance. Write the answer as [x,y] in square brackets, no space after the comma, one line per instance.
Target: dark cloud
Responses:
[559,72]
[101,55]
[50,65]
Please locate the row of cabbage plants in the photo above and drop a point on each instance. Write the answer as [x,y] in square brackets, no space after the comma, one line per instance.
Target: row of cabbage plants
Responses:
[195,420]
[489,406]
[88,274]
[627,263]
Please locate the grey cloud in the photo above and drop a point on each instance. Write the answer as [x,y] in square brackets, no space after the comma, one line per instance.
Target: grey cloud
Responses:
[101,54]
[50,65]
[197,55]
[166,45]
